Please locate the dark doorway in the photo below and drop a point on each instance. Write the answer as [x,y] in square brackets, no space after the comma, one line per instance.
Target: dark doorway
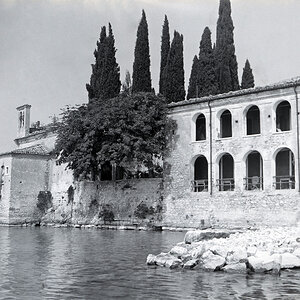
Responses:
[226,173]
[254,179]
[106,171]
[200,183]
[285,170]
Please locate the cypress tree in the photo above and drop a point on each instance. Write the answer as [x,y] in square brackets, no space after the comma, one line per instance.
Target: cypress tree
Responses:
[193,82]
[226,63]
[111,75]
[105,79]
[207,84]
[174,72]
[247,77]
[97,68]
[141,77]
[165,48]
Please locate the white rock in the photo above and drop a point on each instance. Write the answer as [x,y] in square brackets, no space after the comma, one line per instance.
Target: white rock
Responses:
[198,252]
[219,250]
[151,259]
[290,260]
[208,234]
[210,261]
[297,252]
[178,251]
[235,268]
[251,251]
[238,255]
[190,264]
[264,263]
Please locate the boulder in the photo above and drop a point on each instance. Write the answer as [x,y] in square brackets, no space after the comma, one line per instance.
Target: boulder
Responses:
[167,260]
[290,260]
[178,251]
[198,251]
[238,255]
[219,250]
[210,261]
[297,252]
[186,257]
[151,259]
[251,251]
[191,264]
[202,235]
[264,263]
[235,268]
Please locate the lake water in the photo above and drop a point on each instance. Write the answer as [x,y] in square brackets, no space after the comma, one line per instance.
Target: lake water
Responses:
[69,263]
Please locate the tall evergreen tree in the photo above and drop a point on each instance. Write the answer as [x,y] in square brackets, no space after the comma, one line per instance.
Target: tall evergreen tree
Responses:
[141,77]
[226,63]
[165,48]
[105,79]
[193,82]
[97,69]
[126,85]
[207,84]
[247,77]
[174,72]
[111,76]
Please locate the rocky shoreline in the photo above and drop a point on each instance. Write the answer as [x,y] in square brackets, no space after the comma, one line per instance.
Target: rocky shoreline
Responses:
[260,251]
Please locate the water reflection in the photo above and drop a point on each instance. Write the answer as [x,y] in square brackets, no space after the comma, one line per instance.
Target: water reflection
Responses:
[62,263]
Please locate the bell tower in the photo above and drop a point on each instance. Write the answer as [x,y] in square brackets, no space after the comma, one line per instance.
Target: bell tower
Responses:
[23,120]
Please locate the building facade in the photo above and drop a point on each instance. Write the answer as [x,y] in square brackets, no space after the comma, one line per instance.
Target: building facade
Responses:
[235,159]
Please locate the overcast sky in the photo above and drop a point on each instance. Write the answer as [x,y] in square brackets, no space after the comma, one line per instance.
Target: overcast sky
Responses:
[46,46]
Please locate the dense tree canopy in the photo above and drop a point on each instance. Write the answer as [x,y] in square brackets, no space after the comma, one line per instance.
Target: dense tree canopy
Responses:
[247,77]
[141,77]
[129,130]
[174,89]
[226,63]
[165,48]
[105,79]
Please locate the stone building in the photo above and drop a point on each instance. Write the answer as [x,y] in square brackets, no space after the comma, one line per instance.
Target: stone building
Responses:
[234,163]
[235,159]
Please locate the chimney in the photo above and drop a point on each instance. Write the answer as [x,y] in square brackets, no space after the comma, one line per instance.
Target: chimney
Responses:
[23,120]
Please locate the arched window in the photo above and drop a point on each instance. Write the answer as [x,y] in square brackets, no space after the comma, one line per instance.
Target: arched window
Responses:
[106,171]
[253,120]
[200,183]
[285,170]
[283,116]
[200,128]
[226,173]
[254,166]
[226,124]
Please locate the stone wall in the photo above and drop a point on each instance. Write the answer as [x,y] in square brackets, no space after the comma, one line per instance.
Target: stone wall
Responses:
[89,198]
[6,162]
[238,208]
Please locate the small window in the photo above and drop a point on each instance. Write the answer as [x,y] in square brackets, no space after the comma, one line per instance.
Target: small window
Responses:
[200,128]
[6,170]
[226,124]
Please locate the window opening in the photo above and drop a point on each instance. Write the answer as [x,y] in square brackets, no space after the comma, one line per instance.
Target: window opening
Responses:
[254,166]
[283,117]
[226,124]
[226,173]
[253,121]
[200,128]
[200,182]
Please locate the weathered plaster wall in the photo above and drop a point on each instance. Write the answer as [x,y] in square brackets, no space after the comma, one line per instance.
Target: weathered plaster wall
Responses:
[6,162]
[29,176]
[89,197]
[240,207]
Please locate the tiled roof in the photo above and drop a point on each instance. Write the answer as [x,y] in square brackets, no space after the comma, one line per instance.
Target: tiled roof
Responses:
[282,84]
[32,150]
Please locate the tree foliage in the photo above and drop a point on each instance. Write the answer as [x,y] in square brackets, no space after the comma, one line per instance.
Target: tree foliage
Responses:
[129,130]
[141,77]
[194,80]
[174,89]
[247,77]
[207,78]
[165,48]
[226,63]
[105,79]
